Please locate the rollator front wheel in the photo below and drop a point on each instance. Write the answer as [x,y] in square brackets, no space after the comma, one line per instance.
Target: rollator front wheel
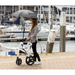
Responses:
[18,61]
[30,60]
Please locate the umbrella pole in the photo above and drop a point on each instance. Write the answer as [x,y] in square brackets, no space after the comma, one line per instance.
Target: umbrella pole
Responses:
[22,21]
[23,32]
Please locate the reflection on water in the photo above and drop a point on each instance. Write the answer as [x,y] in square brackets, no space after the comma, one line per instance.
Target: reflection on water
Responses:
[41,45]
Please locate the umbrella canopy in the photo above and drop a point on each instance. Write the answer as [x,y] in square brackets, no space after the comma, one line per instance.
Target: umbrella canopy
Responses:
[25,13]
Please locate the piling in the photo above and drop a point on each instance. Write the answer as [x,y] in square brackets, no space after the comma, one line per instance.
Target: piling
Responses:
[50,42]
[62,31]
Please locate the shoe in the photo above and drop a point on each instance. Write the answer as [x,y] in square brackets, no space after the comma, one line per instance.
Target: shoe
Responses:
[37,62]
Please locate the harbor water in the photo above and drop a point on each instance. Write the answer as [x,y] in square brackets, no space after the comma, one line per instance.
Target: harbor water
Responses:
[41,46]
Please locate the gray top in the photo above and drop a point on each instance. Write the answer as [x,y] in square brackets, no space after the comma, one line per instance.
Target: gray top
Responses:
[34,32]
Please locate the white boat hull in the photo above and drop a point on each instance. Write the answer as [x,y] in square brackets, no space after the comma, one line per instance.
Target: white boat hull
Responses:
[4,36]
[3,48]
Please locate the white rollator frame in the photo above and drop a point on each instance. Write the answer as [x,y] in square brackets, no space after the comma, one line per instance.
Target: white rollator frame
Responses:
[29,58]
[22,49]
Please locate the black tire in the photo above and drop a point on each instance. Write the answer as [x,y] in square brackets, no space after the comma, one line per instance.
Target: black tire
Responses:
[30,60]
[18,61]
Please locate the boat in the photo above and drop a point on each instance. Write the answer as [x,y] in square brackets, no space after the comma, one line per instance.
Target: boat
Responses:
[17,30]
[70,29]
[3,35]
[44,30]
[7,50]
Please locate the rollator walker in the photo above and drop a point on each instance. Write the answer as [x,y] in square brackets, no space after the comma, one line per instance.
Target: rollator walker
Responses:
[26,14]
[29,58]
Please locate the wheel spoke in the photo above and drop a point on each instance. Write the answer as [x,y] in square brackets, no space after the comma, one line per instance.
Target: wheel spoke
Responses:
[31,60]
[18,61]
[28,62]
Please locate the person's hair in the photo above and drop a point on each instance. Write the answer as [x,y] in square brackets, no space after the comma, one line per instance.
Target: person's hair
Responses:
[34,23]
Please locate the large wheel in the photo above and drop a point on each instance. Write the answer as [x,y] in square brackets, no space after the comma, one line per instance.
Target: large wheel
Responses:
[18,61]
[30,60]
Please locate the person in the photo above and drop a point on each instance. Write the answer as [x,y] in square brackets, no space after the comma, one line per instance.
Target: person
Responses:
[33,38]
[3,19]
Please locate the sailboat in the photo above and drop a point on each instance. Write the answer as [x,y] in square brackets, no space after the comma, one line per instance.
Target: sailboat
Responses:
[3,35]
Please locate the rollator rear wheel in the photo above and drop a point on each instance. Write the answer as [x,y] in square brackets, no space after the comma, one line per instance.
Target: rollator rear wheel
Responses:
[30,60]
[18,61]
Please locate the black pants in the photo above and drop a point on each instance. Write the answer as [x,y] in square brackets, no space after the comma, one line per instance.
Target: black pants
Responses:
[36,55]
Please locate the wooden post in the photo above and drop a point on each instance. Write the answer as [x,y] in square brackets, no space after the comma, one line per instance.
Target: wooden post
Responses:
[50,42]
[51,36]
[62,31]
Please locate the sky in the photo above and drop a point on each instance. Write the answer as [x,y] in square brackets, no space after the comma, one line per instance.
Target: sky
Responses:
[37,2]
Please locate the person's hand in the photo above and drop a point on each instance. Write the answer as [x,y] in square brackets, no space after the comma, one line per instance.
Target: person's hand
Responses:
[27,38]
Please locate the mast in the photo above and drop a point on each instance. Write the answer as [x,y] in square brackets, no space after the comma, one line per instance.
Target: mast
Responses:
[19,7]
[49,16]
[72,13]
[69,14]
[43,14]
[40,14]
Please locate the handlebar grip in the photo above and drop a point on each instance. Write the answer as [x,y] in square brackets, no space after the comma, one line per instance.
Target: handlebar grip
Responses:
[25,39]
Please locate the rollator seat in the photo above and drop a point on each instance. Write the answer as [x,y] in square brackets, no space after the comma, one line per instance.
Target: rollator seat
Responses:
[24,43]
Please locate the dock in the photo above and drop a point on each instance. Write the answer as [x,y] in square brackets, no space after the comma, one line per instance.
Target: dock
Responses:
[63,60]
[68,37]
[20,39]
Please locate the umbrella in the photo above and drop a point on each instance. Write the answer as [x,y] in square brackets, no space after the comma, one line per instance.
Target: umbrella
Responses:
[26,14]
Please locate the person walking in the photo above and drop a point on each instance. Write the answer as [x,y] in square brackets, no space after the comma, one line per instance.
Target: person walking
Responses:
[33,39]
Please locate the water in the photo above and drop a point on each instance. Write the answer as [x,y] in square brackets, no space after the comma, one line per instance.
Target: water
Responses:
[41,45]
[70,46]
